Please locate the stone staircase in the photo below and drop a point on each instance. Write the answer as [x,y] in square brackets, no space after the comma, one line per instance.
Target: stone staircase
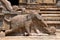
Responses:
[57,30]
[51,14]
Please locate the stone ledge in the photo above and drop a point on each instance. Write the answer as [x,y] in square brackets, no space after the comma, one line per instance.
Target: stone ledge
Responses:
[31,38]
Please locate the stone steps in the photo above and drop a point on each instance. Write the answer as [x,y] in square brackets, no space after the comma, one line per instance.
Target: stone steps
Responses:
[50,12]
[58,30]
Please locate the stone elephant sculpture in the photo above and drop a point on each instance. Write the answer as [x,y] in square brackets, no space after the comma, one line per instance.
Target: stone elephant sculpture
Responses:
[26,21]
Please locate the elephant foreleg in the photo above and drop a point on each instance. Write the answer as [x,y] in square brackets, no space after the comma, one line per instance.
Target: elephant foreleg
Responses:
[36,29]
[27,27]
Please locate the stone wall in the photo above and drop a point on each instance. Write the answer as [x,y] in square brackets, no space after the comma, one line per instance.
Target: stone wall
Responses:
[38,1]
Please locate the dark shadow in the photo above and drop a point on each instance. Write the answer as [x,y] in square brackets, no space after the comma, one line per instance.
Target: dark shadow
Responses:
[14,2]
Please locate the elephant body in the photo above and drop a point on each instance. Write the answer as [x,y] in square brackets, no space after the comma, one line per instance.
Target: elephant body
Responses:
[21,21]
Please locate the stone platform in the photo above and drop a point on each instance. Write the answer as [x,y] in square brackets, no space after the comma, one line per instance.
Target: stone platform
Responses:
[41,37]
[31,38]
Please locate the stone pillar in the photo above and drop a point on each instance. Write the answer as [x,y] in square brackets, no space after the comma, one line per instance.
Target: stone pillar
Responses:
[49,1]
[20,1]
[23,1]
[55,1]
[28,1]
[39,1]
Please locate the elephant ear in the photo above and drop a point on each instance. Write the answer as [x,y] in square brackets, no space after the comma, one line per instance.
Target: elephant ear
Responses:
[38,16]
[28,17]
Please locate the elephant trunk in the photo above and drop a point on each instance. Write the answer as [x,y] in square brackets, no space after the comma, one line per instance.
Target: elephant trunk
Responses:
[50,30]
[39,17]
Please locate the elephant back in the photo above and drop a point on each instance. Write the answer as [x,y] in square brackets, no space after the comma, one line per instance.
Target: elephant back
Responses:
[19,20]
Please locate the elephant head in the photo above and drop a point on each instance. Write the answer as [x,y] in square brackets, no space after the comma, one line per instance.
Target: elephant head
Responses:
[34,14]
[38,20]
